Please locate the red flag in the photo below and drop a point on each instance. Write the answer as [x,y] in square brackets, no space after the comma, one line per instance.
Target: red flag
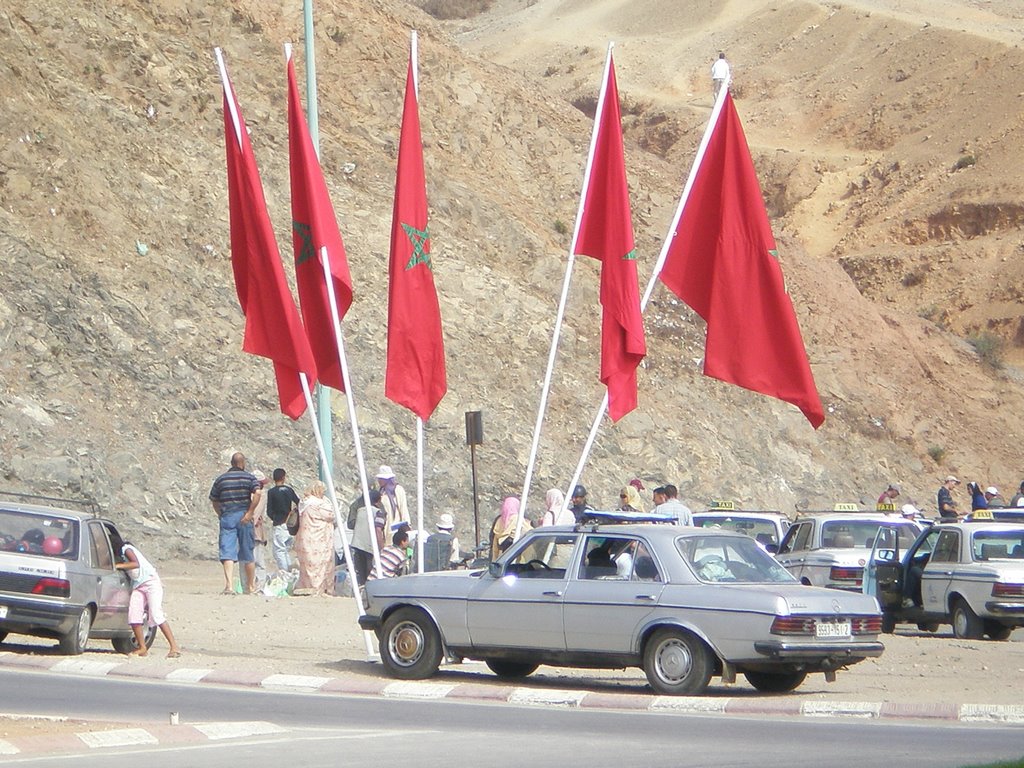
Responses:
[415,375]
[606,233]
[722,262]
[272,325]
[314,226]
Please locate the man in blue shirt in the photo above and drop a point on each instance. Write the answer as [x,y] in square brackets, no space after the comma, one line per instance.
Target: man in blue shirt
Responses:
[234,496]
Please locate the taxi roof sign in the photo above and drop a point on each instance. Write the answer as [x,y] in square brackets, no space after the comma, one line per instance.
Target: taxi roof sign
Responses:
[982,514]
[719,504]
[846,506]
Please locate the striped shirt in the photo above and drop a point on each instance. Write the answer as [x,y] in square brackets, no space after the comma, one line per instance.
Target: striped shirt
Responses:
[234,490]
[391,561]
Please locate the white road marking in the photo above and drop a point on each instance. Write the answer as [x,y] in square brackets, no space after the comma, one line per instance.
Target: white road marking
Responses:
[123,737]
[295,681]
[992,713]
[864,709]
[408,689]
[83,667]
[216,731]
[187,675]
[546,698]
[691,704]
[6,748]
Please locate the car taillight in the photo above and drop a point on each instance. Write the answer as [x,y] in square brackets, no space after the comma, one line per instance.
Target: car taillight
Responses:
[866,625]
[792,625]
[999,589]
[52,587]
[846,574]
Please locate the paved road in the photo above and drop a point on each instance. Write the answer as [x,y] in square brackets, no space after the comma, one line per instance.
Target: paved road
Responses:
[312,729]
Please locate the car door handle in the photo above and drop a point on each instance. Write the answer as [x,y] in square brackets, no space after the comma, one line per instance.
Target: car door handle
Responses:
[652,598]
[553,593]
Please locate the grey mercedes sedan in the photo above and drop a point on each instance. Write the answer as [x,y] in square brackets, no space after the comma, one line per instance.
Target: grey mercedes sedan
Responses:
[684,604]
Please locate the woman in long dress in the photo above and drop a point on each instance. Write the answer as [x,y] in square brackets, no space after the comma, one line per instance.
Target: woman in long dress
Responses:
[504,528]
[314,543]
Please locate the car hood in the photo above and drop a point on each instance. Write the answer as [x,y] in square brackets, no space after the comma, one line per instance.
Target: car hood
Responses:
[434,584]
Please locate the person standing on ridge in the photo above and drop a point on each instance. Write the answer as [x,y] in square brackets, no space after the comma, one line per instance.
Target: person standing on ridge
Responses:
[719,73]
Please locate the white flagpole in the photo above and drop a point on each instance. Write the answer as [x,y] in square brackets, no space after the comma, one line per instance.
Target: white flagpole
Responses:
[350,401]
[658,266]
[371,654]
[560,315]
[325,259]
[414,58]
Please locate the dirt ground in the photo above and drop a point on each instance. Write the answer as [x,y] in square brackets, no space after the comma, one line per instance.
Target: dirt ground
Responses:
[319,637]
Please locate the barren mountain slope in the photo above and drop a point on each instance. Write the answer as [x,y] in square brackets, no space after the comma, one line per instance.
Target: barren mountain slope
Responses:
[122,377]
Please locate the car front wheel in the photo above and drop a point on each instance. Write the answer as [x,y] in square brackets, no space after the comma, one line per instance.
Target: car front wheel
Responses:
[775,682]
[511,669]
[966,624]
[410,647]
[677,663]
[73,643]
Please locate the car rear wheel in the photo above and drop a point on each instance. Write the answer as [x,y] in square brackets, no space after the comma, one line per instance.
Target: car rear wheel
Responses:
[511,669]
[3,636]
[677,663]
[410,647]
[966,624]
[929,627]
[775,682]
[74,642]
[997,630]
[888,624]
[127,644]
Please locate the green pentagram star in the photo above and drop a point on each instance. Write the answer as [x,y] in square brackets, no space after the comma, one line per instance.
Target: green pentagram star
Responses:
[631,256]
[419,239]
[305,233]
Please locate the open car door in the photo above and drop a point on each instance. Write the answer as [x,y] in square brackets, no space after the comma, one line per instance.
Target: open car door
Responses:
[883,573]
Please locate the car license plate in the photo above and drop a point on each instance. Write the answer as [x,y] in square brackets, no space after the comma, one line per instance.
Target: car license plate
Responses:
[3,611]
[833,629]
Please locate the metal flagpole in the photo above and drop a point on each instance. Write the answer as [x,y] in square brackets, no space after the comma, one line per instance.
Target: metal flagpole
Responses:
[562,300]
[414,56]
[323,394]
[371,654]
[659,264]
[343,359]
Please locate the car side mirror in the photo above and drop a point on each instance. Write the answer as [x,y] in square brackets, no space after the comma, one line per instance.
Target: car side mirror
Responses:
[772,549]
[495,570]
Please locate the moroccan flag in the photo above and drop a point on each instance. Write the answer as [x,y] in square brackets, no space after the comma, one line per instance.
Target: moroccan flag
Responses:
[415,376]
[314,227]
[722,261]
[606,233]
[272,325]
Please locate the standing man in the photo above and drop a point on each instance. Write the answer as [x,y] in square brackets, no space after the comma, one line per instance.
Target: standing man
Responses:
[673,506]
[281,500]
[719,73]
[392,498]
[947,507]
[361,544]
[234,496]
[579,502]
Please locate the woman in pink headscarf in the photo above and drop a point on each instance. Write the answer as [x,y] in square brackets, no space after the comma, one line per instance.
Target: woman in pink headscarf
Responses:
[503,530]
[557,513]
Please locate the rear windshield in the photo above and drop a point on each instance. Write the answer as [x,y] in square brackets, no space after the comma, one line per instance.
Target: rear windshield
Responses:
[763,531]
[860,534]
[34,534]
[998,545]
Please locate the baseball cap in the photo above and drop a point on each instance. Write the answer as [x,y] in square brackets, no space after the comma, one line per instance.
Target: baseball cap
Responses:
[952,479]
[992,490]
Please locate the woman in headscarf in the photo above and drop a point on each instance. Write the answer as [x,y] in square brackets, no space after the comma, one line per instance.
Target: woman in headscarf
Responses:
[630,498]
[557,513]
[503,530]
[314,543]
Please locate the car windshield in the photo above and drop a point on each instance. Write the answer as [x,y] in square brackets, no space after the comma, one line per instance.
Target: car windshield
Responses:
[763,531]
[998,545]
[34,534]
[860,534]
[730,559]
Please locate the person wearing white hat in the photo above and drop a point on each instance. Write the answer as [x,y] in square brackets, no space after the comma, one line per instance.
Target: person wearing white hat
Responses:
[947,507]
[995,501]
[441,549]
[392,496]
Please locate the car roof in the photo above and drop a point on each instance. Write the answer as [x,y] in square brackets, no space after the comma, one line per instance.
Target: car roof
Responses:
[741,513]
[831,515]
[38,509]
[977,525]
[637,529]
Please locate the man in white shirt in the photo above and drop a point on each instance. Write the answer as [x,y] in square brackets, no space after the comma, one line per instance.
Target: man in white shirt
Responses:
[719,73]
[673,506]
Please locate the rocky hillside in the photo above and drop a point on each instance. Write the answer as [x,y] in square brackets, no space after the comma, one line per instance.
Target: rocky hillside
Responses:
[889,166]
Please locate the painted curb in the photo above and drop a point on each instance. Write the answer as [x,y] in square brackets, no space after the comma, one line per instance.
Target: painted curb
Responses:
[788,705]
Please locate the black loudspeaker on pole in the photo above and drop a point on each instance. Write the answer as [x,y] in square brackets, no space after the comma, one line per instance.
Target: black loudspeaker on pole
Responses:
[474,437]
